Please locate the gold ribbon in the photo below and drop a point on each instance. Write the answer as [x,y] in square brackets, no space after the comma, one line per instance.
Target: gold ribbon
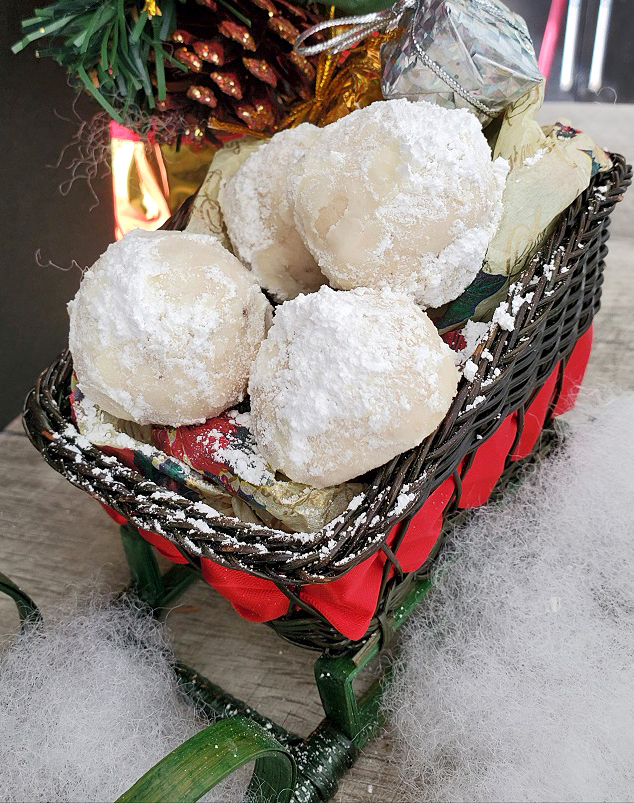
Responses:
[234,128]
[309,110]
[342,84]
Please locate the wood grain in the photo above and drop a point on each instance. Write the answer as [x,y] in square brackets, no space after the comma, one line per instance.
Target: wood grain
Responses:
[56,540]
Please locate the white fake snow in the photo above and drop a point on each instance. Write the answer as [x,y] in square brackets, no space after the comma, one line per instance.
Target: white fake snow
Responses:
[517,676]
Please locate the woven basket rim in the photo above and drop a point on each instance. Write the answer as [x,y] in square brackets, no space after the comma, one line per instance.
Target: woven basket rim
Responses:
[291,559]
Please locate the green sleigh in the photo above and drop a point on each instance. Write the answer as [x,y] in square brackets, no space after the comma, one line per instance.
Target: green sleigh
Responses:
[289,767]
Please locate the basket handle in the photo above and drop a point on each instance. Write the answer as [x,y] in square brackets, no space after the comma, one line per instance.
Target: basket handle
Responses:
[200,763]
[27,610]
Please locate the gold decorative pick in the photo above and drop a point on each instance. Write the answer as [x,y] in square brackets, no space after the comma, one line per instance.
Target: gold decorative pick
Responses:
[234,129]
[342,85]
[151,9]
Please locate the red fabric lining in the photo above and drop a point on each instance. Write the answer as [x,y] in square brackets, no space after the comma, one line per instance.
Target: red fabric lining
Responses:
[350,601]
[574,373]
[535,417]
[253,598]
[488,465]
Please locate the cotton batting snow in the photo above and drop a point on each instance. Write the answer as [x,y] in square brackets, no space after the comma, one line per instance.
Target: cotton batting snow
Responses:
[400,194]
[259,216]
[164,328]
[345,381]
[517,676]
[88,704]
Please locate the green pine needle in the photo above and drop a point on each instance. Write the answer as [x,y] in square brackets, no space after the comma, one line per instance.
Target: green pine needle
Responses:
[106,44]
[235,12]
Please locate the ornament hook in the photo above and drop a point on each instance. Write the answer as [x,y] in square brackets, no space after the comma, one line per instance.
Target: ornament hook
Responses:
[359,27]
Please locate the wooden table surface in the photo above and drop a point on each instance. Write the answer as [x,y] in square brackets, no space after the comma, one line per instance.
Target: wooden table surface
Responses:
[56,540]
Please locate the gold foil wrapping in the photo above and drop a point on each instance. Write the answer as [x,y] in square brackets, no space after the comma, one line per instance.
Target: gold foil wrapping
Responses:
[150,181]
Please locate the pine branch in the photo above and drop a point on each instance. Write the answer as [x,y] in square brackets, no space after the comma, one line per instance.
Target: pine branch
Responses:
[106,45]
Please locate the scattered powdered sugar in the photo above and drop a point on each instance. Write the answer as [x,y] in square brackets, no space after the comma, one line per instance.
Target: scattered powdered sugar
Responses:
[259,217]
[193,548]
[400,194]
[495,374]
[100,428]
[506,312]
[474,333]
[530,161]
[475,403]
[549,267]
[518,301]
[356,502]
[75,442]
[404,499]
[469,370]
[503,317]
[164,328]
[243,457]
[346,381]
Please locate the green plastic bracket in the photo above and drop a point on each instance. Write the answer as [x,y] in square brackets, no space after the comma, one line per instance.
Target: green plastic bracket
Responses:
[155,589]
[27,610]
[321,760]
[359,719]
[202,762]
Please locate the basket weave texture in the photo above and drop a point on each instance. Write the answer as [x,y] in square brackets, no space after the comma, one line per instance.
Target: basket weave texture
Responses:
[552,304]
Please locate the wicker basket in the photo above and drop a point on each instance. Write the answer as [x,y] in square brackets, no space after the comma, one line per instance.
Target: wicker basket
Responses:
[553,303]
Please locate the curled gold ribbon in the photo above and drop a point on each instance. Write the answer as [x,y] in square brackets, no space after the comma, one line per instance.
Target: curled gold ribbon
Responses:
[341,85]
[234,129]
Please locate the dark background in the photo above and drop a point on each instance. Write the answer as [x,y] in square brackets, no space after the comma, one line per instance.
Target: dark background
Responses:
[33,213]
[38,119]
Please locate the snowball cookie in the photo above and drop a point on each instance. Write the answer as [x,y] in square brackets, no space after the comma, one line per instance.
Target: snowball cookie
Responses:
[347,380]
[400,194]
[259,217]
[165,327]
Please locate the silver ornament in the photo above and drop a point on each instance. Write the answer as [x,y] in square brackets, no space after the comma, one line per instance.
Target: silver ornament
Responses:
[474,54]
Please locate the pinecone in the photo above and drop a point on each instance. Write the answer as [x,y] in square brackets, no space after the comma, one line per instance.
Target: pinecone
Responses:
[239,74]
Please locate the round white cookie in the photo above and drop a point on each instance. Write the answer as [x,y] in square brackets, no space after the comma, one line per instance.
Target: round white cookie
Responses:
[345,381]
[400,194]
[259,217]
[164,328]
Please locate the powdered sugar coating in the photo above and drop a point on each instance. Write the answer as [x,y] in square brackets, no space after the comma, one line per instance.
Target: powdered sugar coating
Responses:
[345,381]
[259,218]
[164,328]
[400,194]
